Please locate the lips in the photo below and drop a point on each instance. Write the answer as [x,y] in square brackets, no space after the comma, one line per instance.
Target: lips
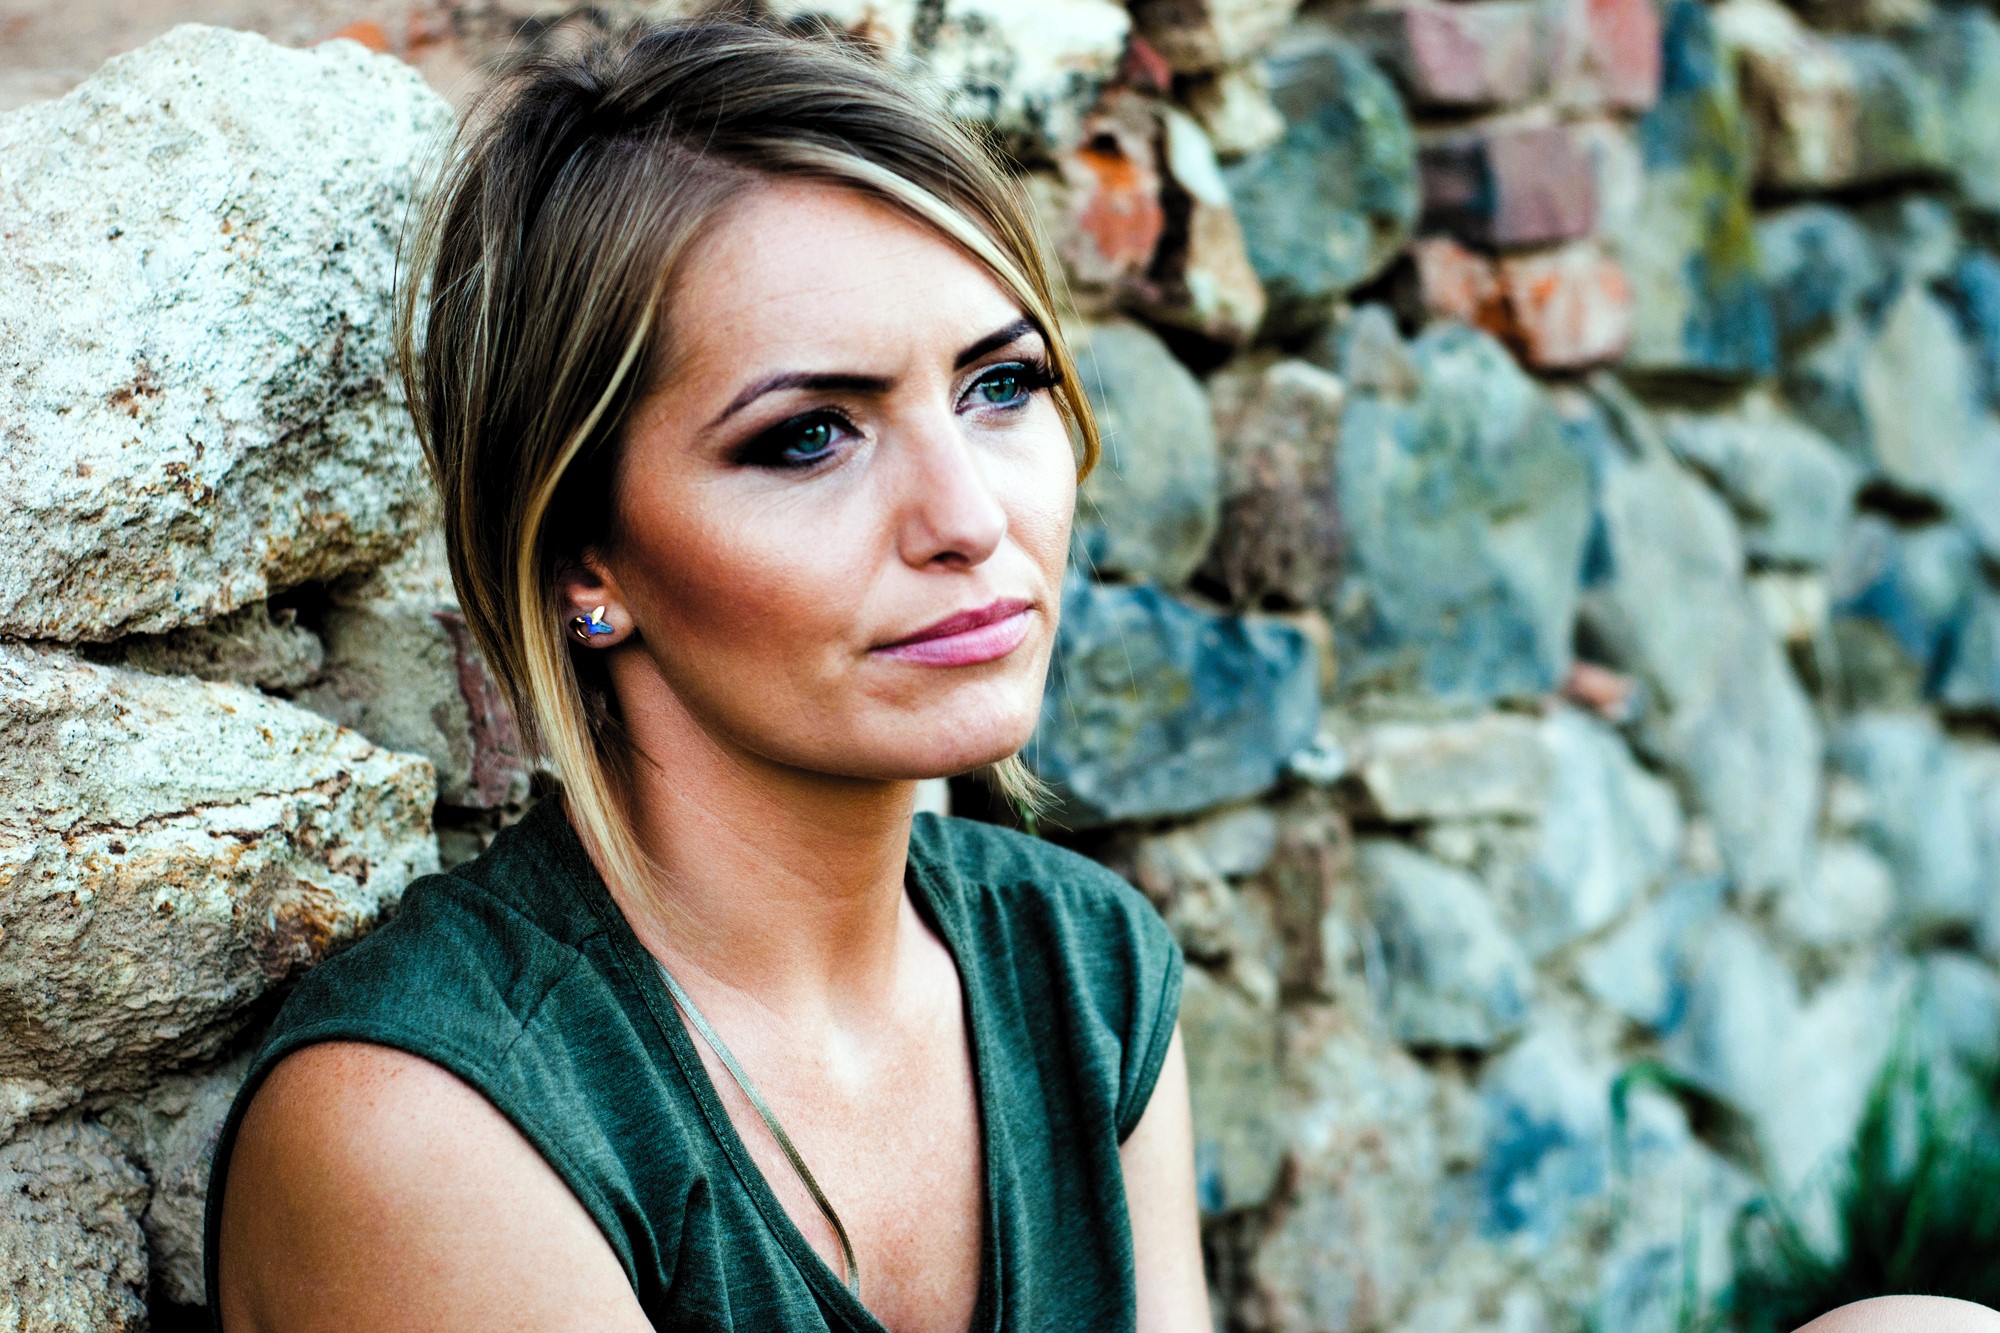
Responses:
[982,635]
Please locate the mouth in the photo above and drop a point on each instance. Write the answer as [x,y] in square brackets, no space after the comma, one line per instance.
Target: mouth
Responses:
[978,635]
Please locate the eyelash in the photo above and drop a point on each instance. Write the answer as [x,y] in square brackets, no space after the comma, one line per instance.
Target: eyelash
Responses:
[767,449]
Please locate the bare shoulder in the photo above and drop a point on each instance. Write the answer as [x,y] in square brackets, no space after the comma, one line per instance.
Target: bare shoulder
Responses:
[370,1188]
[1907,1314]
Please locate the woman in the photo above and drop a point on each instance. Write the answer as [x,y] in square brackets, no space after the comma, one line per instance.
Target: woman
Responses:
[736,366]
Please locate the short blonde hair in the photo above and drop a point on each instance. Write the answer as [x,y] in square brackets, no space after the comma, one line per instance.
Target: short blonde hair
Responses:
[530,316]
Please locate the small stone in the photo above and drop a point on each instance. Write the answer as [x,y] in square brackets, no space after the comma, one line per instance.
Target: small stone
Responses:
[1106,216]
[1913,589]
[1792,491]
[1155,708]
[1506,186]
[402,669]
[1958,48]
[1639,970]
[1327,207]
[1279,541]
[1619,169]
[1800,91]
[1970,683]
[1495,764]
[258,645]
[1455,976]
[1823,270]
[1922,819]
[1201,35]
[1240,1129]
[1150,508]
[1201,280]
[1848,902]
[72,1255]
[1480,53]
[1689,249]
[1904,127]
[171,850]
[1466,512]
[1972,290]
[1742,1010]
[194,332]
[1567,308]
[1234,106]
[1238,842]
[1795,606]
[1371,356]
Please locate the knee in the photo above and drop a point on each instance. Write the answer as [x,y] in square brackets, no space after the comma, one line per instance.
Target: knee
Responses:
[1907,1314]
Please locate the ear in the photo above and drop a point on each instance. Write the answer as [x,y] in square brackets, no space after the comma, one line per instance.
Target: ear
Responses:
[594,615]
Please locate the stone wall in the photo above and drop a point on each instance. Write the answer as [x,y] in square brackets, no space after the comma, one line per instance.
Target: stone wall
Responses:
[1536,632]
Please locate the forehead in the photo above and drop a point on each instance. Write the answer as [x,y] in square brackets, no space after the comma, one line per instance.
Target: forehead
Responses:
[806,274]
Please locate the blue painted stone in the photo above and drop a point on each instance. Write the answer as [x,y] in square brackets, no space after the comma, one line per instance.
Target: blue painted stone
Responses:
[1466,512]
[1822,268]
[1689,248]
[1155,708]
[1916,584]
[1973,292]
[1332,202]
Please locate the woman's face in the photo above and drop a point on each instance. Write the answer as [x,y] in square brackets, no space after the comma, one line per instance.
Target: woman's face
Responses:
[853,441]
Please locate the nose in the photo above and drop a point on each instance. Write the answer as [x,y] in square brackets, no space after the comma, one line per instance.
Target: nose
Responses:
[949,511]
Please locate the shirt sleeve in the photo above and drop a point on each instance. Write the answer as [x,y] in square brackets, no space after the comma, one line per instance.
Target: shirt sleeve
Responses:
[1155,1009]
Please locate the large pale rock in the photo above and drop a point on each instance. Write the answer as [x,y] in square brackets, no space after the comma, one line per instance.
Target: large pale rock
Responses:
[195,377]
[1328,206]
[1670,607]
[169,850]
[1156,708]
[1456,978]
[1279,539]
[1465,512]
[402,669]
[1791,490]
[1548,1136]
[1149,509]
[1029,68]
[171,1134]
[72,1255]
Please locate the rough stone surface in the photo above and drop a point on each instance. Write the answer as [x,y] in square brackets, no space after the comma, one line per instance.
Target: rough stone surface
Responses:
[1904,595]
[1849,900]
[72,1255]
[1495,764]
[1239,1107]
[1671,609]
[171,1134]
[1486,53]
[1155,708]
[1326,207]
[1689,248]
[1548,1136]
[1201,35]
[1149,509]
[171,849]
[1202,279]
[1503,186]
[1465,512]
[1028,68]
[1971,680]
[1279,541]
[1455,976]
[1921,817]
[257,645]
[1792,492]
[163,468]
[1561,309]
[1640,969]
[401,668]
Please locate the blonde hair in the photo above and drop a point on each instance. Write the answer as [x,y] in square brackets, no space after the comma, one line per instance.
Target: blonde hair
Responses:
[530,316]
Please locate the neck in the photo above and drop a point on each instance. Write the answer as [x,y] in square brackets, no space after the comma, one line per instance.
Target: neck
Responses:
[773,881]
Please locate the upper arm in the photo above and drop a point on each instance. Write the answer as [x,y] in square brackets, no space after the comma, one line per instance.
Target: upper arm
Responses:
[1158,1160]
[370,1188]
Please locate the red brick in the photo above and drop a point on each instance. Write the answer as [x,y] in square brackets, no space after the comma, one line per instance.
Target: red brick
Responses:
[1476,53]
[1566,309]
[1507,186]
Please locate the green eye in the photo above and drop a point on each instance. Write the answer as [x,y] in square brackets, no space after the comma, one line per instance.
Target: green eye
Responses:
[813,439]
[1001,387]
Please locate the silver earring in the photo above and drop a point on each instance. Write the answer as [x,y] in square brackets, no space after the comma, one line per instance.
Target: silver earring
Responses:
[591,626]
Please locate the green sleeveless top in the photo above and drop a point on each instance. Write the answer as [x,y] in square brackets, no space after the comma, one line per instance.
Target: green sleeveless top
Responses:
[518,973]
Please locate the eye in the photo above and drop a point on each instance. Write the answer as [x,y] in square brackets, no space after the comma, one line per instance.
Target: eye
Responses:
[1011,384]
[798,443]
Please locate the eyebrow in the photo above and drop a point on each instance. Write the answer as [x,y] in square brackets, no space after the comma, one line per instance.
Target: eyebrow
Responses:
[848,382]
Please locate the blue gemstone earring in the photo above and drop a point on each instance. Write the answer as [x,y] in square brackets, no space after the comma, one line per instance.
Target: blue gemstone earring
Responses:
[591,626]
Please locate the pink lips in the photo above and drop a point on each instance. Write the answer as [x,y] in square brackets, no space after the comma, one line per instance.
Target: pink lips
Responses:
[980,635]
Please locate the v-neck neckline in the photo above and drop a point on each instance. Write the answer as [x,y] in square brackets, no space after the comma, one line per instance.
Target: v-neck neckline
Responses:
[921,881]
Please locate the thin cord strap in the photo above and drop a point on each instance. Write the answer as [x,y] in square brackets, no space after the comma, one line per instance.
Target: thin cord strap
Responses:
[852,1275]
